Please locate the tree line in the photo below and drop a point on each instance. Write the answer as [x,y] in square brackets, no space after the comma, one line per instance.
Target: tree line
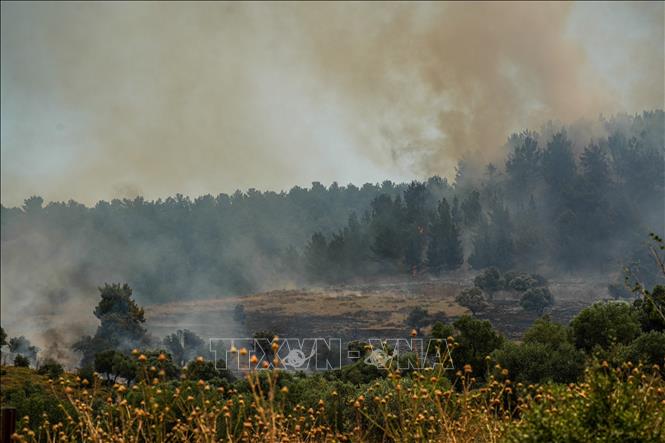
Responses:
[552,204]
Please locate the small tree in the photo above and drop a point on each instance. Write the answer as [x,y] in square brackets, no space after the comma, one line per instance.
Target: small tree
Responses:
[520,282]
[263,341]
[115,364]
[184,345]
[51,368]
[3,337]
[21,345]
[489,280]
[358,349]
[317,264]
[536,300]
[605,324]
[440,333]
[445,248]
[546,354]
[160,360]
[208,371]
[121,324]
[651,310]
[21,362]
[473,299]
[417,318]
[477,339]
[648,348]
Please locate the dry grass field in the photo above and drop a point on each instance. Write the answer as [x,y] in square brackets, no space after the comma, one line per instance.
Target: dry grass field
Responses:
[359,311]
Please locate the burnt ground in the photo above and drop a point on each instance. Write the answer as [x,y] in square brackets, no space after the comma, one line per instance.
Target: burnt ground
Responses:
[360,311]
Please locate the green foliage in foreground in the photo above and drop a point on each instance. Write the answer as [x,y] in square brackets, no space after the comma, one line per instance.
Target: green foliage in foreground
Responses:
[620,404]
[610,403]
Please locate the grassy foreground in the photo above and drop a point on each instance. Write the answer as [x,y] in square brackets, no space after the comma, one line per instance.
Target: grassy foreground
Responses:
[625,403]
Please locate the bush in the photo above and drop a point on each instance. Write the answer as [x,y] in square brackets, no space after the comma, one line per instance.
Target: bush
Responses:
[87,374]
[31,398]
[360,372]
[51,368]
[476,339]
[622,405]
[520,282]
[605,324]
[208,371]
[157,362]
[21,345]
[545,331]
[473,299]
[417,318]
[651,310]
[547,354]
[21,361]
[357,349]
[648,348]
[489,280]
[115,364]
[536,300]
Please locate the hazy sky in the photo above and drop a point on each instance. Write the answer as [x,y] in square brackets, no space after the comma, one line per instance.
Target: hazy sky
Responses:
[103,100]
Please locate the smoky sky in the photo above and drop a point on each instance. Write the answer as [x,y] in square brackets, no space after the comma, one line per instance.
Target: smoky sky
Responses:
[103,100]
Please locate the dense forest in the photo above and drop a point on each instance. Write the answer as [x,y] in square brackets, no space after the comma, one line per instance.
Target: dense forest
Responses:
[553,205]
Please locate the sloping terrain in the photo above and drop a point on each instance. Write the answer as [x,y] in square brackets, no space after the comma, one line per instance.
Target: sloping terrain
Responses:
[359,311]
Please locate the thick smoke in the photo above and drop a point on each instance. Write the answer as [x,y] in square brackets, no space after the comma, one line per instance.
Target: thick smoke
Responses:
[103,100]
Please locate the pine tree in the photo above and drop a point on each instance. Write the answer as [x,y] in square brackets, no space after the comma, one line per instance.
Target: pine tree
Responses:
[415,199]
[316,257]
[121,324]
[455,212]
[445,248]
[471,209]
[454,250]
[494,244]
[559,163]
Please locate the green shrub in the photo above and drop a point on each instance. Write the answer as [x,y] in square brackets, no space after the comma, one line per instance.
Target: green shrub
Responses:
[489,280]
[208,371]
[612,405]
[21,361]
[651,310]
[648,348]
[539,362]
[536,300]
[605,324]
[476,339]
[29,394]
[472,299]
[50,368]
[520,282]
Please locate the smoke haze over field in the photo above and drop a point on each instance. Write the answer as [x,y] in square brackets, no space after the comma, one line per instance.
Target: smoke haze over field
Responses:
[104,100]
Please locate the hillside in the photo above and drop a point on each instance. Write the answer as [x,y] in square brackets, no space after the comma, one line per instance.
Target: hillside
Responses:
[360,311]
